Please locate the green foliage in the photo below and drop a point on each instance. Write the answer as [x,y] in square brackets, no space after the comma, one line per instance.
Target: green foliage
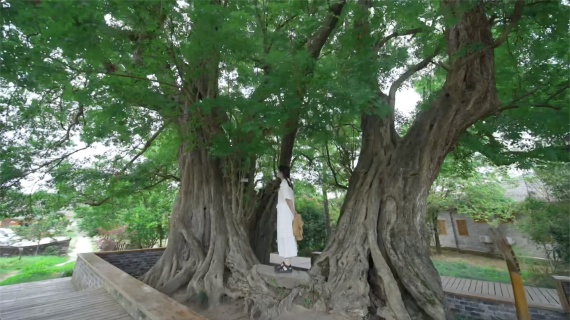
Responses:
[44,226]
[35,269]
[144,216]
[547,224]
[484,199]
[143,77]
[546,213]
[463,187]
[314,231]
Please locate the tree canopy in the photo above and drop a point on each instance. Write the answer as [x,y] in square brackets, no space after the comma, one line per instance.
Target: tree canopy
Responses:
[113,73]
[211,96]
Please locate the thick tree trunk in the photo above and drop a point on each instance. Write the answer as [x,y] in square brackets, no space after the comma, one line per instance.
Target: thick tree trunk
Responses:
[262,227]
[378,261]
[207,248]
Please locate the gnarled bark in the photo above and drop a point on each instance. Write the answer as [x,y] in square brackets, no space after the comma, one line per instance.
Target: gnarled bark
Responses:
[378,261]
[208,248]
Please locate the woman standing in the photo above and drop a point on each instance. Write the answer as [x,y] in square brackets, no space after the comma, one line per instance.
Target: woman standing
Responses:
[286,243]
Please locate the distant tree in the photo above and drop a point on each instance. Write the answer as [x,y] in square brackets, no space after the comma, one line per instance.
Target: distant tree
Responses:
[547,221]
[136,221]
[468,185]
[44,226]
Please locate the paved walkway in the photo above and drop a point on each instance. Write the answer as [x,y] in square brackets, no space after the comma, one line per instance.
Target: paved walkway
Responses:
[501,292]
[57,300]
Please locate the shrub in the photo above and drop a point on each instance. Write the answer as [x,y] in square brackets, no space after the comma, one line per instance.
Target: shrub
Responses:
[314,231]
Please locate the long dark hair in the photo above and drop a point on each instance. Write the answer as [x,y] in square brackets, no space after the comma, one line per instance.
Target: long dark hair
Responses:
[286,171]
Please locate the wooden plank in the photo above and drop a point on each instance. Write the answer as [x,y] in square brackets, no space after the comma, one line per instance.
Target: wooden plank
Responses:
[541,297]
[14,304]
[511,293]
[459,284]
[500,290]
[507,290]
[452,282]
[485,287]
[466,285]
[479,288]
[497,289]
[533,296]
[472,286]
[552,293]
[53,310]
[492,289]
[530,297]
[444,281]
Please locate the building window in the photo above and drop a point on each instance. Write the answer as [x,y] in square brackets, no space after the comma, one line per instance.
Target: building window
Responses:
[441,227]
[462,228]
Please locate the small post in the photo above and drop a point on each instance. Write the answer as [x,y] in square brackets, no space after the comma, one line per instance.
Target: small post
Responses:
[563,288]
[20,250]
[506,249]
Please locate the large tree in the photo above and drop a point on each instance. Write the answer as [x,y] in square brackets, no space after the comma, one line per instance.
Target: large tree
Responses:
[378,260]
[219,85]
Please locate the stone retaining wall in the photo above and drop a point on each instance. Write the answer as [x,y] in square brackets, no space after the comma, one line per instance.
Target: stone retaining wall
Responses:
[473,309]
[52,248]
[133,262]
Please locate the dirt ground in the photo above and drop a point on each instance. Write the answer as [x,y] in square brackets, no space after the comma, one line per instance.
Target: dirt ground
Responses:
[481,261]
[8,275]
[234,310]
[229,310]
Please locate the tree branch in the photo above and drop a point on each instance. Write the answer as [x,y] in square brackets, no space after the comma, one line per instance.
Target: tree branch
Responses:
[406,75]
[514,19]
[381,42]
[547,106]
[94,203]
[111,73]
[74,122]
[514,105]
[319,38]
[332,169]
[145,147]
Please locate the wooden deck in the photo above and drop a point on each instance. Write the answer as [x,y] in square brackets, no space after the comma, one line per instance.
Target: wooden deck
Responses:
[57,299]
[501,292]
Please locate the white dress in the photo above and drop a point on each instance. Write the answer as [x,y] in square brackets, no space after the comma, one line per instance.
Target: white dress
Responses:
[286,243]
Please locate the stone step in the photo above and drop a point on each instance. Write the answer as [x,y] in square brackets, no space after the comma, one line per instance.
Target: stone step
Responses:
[282,280]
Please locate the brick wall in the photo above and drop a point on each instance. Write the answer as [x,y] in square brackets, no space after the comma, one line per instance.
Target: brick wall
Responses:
[85,278]
[135,262]
[58,247]
[466,308]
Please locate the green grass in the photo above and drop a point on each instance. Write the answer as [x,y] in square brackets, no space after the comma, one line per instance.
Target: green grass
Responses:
[34,269]
[531,277]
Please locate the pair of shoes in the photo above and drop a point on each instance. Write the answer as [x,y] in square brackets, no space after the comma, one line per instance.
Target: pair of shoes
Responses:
[280,265]
[283,268]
